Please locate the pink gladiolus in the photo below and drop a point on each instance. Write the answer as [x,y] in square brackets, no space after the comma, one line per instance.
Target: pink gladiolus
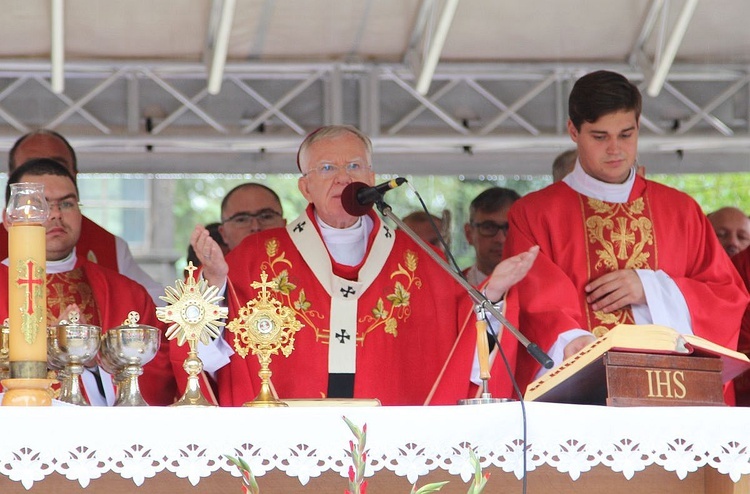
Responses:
[351,474]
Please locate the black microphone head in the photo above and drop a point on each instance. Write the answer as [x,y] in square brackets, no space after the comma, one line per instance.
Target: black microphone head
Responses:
[350,202]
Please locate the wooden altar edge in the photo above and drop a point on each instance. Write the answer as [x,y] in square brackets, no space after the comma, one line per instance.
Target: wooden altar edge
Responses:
[544,479]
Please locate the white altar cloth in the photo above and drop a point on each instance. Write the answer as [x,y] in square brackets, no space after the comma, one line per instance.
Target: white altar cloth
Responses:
[83,443]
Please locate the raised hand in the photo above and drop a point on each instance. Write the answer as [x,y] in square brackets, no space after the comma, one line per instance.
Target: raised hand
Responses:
[209,253]
[509,272]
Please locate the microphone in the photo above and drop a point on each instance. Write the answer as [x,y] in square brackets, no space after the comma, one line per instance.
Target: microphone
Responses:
[358,198]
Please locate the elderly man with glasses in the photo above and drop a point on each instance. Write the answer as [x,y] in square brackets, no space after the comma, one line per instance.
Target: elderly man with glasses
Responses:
[487,229]
[380,317]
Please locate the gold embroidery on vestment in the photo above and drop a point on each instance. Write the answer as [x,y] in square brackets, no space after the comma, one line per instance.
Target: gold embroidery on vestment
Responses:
[620,237]
[387,312]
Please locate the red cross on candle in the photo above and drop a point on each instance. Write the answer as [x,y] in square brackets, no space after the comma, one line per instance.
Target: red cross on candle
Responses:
[30,281]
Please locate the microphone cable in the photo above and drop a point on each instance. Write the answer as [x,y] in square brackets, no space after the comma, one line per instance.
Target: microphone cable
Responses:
[441,239]
[517,391]
[493,332]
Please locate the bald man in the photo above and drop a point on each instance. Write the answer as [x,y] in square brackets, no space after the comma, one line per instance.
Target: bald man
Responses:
[732,226]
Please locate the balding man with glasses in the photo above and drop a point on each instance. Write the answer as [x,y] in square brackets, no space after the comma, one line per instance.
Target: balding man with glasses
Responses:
[380,317]
[249,208]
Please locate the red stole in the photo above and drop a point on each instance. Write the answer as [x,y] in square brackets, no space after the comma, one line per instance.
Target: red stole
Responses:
[407,321]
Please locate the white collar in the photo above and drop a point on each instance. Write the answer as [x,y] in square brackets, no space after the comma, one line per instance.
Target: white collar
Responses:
[585,184]
[63,265]
[55,267]
[348,245]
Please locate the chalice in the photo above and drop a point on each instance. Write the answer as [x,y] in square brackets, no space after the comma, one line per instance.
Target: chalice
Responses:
[70,346]
[125,350]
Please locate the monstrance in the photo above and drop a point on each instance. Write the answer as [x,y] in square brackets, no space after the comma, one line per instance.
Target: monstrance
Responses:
[195,316]
[263,327]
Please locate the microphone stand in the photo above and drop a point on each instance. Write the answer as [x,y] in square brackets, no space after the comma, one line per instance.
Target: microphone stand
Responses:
[483,304]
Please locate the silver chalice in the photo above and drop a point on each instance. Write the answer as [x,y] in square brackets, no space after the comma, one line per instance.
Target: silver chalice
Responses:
[125,350]
[70,346]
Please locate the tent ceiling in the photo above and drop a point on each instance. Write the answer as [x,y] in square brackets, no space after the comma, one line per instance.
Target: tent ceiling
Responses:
[135,90]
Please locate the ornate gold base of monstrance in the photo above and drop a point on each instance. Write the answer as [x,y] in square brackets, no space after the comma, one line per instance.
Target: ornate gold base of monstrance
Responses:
[195,315]
[263,327]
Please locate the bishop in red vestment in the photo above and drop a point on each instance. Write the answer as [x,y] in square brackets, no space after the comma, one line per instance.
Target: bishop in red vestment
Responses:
[404,314]
[379,316]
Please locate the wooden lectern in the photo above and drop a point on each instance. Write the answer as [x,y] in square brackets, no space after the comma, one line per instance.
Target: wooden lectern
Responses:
[642,366]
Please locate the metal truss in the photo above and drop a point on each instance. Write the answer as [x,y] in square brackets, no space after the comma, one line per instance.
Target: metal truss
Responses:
[477,118]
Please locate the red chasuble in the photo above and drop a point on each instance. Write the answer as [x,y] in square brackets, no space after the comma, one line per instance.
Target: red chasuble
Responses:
[659,228]
[742,383]
[114,296]
[398,310]
[95,244]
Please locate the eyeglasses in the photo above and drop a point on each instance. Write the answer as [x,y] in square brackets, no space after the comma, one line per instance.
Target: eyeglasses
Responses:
[264,217]
[327,170]
[490,228]
[65,205]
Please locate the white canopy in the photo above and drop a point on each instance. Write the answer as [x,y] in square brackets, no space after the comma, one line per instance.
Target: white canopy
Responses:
[129,82]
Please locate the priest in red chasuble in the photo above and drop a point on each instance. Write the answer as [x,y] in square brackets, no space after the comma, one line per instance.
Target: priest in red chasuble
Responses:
[614,247]
[379,316]
[95,244]
[102,296]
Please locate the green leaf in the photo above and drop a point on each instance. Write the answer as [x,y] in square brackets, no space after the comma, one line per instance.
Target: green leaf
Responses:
[429,488]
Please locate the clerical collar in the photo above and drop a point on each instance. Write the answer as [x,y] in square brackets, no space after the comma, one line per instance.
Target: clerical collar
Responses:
[585,184]
[347,246]
[63,265]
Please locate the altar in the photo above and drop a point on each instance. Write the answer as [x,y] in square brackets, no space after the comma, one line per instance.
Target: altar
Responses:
[571,448]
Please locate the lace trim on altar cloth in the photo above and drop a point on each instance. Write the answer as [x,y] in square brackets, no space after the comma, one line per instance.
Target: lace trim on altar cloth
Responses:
[408,441]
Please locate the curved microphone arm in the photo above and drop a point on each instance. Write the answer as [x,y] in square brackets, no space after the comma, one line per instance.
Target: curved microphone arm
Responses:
[475,294]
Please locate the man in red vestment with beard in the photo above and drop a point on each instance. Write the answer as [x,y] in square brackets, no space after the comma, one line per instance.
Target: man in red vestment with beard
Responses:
[614,247]
[379,316]
[102,296]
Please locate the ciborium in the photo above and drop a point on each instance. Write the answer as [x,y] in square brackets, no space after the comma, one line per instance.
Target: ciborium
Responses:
[70,346]
[195,316]
[124,351]
[264,327]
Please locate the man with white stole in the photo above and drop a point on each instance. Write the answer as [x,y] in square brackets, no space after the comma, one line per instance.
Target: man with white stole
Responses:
[102,296]
[379,315]
[615,248]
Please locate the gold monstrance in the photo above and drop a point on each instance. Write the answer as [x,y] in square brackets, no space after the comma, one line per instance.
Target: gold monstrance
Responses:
[195,315]
[264,326]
